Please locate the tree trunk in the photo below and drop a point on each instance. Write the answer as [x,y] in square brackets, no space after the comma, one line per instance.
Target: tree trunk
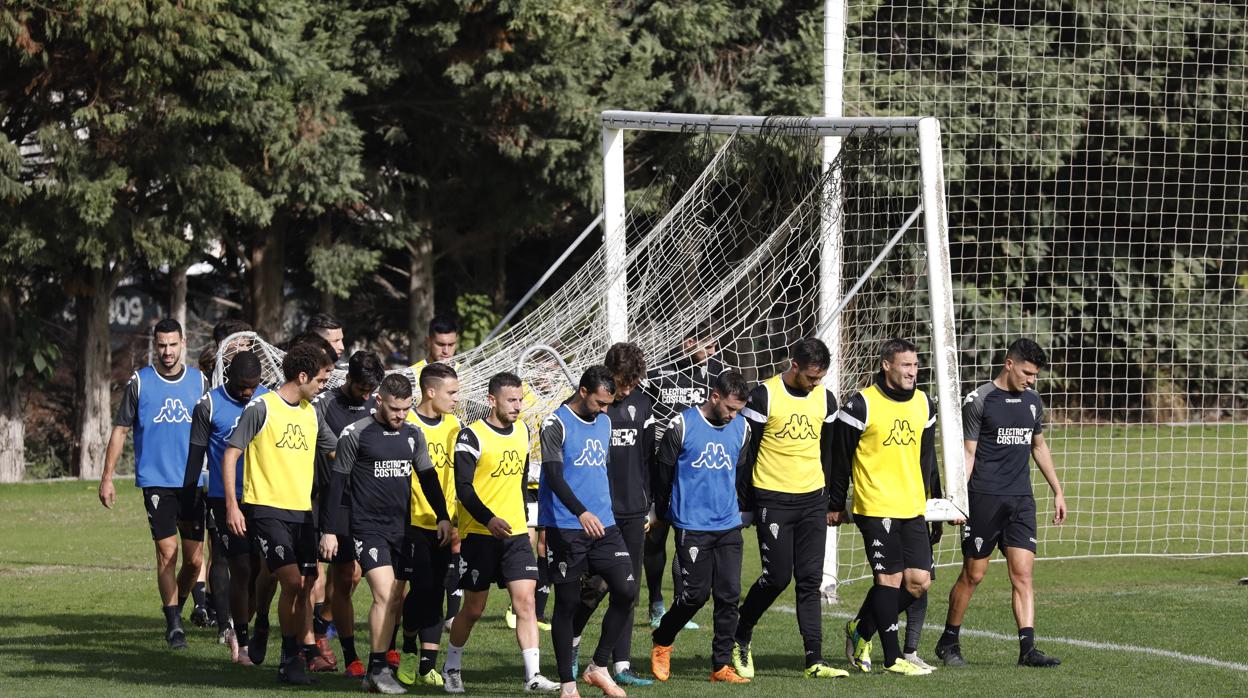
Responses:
[12,422]
[94,372]
[419,295]
[266,273]
[498,295]
[177,294]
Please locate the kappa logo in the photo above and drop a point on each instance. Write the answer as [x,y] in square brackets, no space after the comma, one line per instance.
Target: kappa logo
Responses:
[892,628]
[888,525]
[293,438]
[264,546]
[372,552]
[693,554]
[281,552]
[172,412]
[798,427]
[877,555]
[592,456]
[775,530]
[875,543]
[979,544]
[713,457]
[764,546]
[762,515]
[509,464]
[879,567]
[901,435]
[439,456]
[970,397]
[359,547]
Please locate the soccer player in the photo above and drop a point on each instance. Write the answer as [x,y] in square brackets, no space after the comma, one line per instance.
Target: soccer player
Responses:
[212,421]
[440,343]
[157,405]
[330,330]
[490,460]
[428,554]
[702,451]
[784,486]
[683,383]
[338,409]
[1003,428]
[377,459]
[628,468]
[574,504]
[280,433]
[885,437]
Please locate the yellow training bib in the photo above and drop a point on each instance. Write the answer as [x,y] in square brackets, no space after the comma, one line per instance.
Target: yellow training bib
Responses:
[441,440]
[888,475]
[499,477]
[278,469]
[788,456]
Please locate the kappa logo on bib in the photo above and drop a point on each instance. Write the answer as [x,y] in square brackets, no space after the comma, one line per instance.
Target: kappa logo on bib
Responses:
[509,464]
[592,456]
[439,456]
[798,427]
[172,412]
[713,457]
[901,435]
[293,438]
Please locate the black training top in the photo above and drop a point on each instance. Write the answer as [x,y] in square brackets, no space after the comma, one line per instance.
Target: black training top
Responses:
[1003,424]
[632,450]
[380,463]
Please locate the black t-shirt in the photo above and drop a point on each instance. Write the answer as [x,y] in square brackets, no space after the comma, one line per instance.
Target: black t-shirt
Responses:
[380,463]
[336,411]
[1003,424]
[632,450]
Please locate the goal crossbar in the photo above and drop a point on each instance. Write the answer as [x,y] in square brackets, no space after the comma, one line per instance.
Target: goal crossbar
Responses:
[754,125]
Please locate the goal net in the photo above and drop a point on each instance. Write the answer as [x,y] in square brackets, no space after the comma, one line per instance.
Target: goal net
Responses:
[1097,203]
[726,236]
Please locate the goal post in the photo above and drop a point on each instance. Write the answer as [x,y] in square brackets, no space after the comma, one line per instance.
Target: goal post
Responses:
[943,336]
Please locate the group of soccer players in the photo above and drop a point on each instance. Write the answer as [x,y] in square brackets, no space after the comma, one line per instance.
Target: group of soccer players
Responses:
[379,480]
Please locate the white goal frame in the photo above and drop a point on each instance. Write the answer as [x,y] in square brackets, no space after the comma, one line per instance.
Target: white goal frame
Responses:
[935,227]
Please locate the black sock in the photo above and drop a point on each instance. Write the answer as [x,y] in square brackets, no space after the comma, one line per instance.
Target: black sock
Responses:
[411,643]
[289,647]
[197,592]
[950,636]
[348,649]
[181,602]
[1026,641]
[428,661]
[866,617]
[884,606]
[243,636]
[394,638]
[320,626]
[209,603]
[376,662]
[453,599]
[262,623]
[173,616]
[542,595]
[310,651]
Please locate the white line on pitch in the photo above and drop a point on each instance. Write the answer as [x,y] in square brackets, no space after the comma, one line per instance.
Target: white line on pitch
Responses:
[1087,644]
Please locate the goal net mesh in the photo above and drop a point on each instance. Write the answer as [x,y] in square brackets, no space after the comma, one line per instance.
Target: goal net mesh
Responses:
[1095,166]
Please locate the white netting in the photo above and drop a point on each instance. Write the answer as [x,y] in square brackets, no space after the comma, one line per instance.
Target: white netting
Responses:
[1096,195]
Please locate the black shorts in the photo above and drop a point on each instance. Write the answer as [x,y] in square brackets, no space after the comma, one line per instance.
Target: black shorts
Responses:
[346,549]
[284,543]
[999,521]
[377,549]
[486,560]
[895,545]
[573,554]
[170,510]
[424,561]
[230,544]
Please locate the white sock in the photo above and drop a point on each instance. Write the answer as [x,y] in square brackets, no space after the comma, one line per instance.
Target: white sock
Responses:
[576,641]
[532,663]
[621,667]
[454,655]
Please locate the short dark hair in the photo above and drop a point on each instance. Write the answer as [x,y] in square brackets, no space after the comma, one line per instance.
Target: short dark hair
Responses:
[167,325]
[729,383]
[304,358]
[809,352]
[208,359]
[626,361]
[597,376]
[895,346]
[227,327]
[1023,349]
[321,321]
[315,340]
[501,380]
[435,373]
[244,365]
[365,368]
[395,385]
[443,324]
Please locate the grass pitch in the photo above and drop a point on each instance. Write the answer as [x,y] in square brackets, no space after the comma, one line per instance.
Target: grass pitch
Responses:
[79,616]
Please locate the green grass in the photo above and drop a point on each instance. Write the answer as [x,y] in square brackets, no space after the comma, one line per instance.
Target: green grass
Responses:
[79,615]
